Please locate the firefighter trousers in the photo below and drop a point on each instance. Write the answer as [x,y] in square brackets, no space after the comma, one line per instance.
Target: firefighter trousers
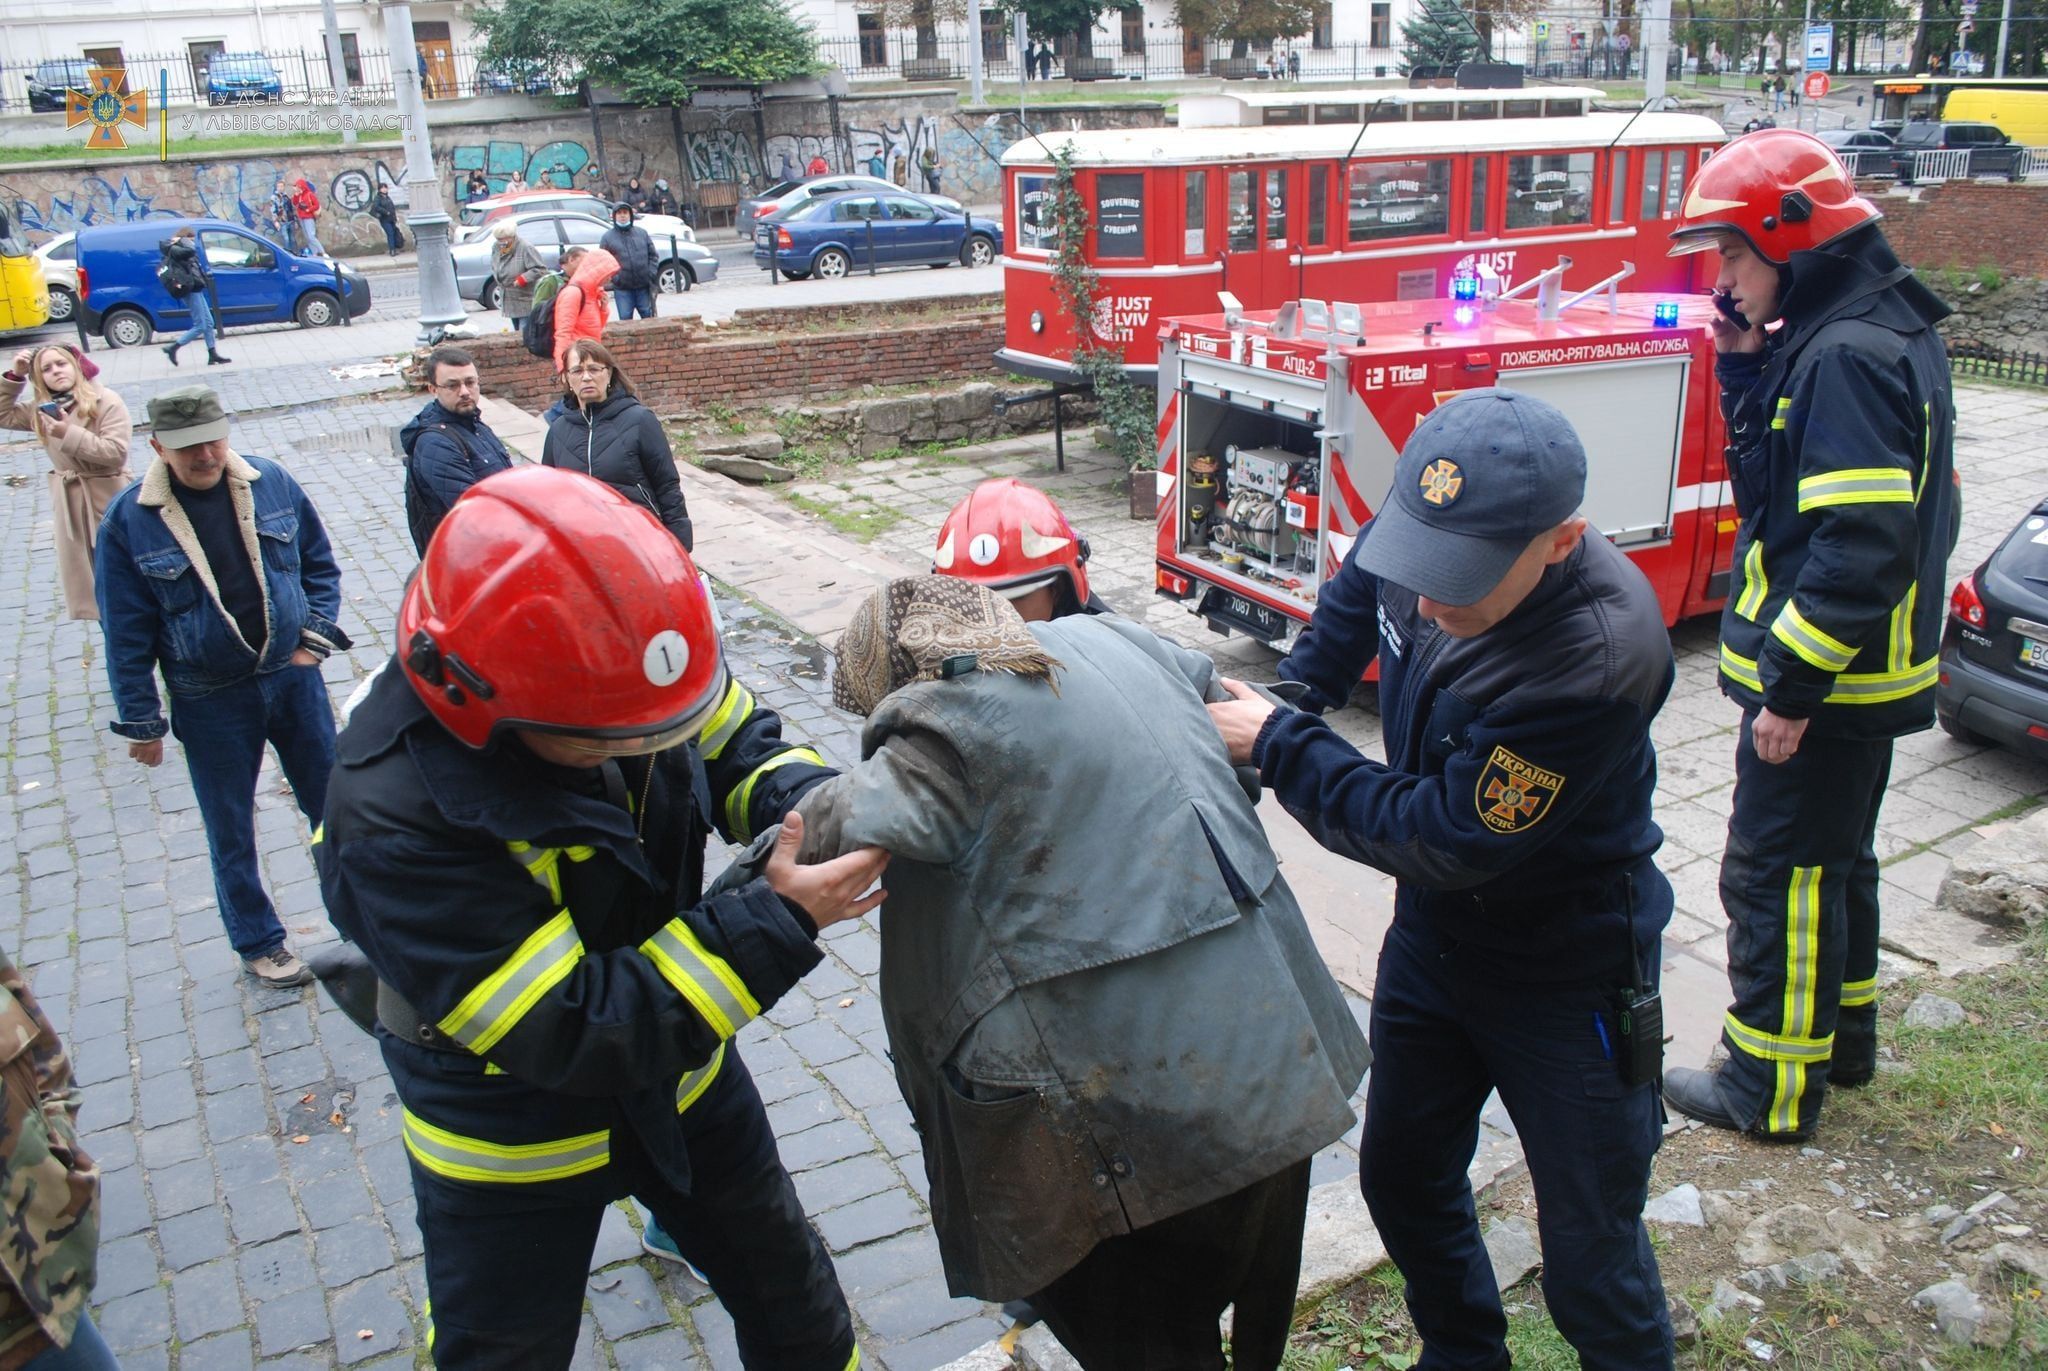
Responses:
[1799,885]
[1447,1027]
[506,1271]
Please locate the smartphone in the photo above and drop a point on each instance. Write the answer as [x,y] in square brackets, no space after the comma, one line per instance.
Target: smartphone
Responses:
[55,409]
[1726,304]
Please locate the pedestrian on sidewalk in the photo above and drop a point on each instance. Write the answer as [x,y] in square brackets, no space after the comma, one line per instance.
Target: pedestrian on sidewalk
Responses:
[516,265]
[1130,1167]
[1841,430]
[664,201]
[518,851]
[606,433]
[185,276]
[928,163]
[817,166]
[283,219]
[85,429]
[877,168]
[476,187]
[385,211]
[639,264]
[1521,664]
[515,184]
[448,446]
[306,207]
[215,569]
[52,1188]
[581,310]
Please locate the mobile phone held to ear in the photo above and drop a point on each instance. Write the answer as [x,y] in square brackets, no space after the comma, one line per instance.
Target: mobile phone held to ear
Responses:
[1726,304]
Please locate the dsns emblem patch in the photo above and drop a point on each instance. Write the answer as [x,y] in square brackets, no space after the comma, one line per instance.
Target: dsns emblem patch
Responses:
[1442,482]
[1513,795]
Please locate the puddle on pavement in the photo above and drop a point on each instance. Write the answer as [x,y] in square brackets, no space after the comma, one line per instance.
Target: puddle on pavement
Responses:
[377,441]
[813,662]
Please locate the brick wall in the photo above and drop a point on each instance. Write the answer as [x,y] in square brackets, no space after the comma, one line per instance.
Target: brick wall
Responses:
[1968,224]
[679,364]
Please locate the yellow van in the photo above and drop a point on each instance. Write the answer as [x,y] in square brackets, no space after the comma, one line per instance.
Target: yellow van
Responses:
[24,299]
[2021,115]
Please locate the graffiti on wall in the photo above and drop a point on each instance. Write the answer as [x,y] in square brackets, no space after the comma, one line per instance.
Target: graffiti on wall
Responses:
[353,189]
[556,164]
[94,202]
[722,155]
[790,153]
[900,146]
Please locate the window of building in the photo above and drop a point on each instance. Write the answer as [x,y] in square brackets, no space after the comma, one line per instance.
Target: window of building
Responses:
[1410,199]
[1653,183]
[1617,187]
[201,56]
[1134,32]
[1321,35]
[1318,206]
[1382,25]
[111,59]
[1243,208]
[995,36]
[1195,224]
[1120,215]
[1551,190]
[1036,229]
[351,60]
[874,44]
[1482,181]
[1279,215]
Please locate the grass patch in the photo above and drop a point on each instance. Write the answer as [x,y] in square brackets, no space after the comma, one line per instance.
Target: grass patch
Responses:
[145,144]
[860,521]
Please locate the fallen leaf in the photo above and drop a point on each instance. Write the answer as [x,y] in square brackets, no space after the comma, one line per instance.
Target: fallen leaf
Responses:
[846,1003]
[1996,1131]
[302,1138]
[306,1098]
[336,1119]
[366,1333]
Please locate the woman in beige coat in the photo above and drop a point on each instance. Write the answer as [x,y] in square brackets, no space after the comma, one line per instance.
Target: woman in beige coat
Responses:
[88,445]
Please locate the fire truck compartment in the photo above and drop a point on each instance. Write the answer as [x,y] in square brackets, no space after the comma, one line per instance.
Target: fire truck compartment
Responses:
[1248,513]
[1630,416]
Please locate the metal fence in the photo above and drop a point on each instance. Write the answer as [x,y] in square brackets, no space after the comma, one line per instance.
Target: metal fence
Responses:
[898,55]
[1998,364]
[280,77]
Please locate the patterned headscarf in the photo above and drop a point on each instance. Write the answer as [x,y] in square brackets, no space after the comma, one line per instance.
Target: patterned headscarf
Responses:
[907,631]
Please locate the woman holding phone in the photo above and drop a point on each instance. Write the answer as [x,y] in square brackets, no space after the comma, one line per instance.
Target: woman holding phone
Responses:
[86,430]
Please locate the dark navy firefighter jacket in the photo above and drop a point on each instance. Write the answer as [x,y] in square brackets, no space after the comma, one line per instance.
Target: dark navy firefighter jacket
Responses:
[1515,798]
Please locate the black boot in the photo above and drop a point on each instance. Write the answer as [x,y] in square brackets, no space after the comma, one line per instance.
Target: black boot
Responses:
[171,351]
[1698,1095]
[214,359]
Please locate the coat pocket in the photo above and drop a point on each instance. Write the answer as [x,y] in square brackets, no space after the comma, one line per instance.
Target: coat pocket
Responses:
[171,579]
[278,534]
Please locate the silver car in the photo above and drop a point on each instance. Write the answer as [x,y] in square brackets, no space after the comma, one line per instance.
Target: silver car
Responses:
[550,231]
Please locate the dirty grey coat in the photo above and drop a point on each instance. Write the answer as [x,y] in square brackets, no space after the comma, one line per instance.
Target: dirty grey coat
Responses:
[1102,999]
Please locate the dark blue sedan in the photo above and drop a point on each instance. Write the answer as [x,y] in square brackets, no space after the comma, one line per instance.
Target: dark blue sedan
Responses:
[834,235]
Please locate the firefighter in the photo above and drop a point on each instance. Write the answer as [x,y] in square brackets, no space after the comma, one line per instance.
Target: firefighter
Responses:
[1841,431]
[515,837]
[1521,663]
[1012,538]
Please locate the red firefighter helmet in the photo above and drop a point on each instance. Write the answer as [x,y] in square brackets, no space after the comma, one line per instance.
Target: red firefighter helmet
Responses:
[549,601]
[1783,190]
[1013,539]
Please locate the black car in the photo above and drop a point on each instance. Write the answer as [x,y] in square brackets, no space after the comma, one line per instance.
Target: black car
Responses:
[1994,653]
[1982,151]
[50,79]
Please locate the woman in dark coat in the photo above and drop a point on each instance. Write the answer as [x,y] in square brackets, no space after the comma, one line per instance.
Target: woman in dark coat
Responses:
[607,433]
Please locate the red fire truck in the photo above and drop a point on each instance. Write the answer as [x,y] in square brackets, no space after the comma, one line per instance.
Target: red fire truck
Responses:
[1278,432]
[1339,195]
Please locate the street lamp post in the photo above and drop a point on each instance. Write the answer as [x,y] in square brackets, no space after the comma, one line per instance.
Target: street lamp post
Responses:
[440,305]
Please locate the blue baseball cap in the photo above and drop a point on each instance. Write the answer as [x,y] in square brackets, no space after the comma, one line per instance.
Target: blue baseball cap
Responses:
[1480,478]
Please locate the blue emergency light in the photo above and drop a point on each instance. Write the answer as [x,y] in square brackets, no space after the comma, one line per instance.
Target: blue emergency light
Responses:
[1667,314]
[1464,287]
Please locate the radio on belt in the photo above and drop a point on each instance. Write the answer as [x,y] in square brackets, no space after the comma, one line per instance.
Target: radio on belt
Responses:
[1280,429]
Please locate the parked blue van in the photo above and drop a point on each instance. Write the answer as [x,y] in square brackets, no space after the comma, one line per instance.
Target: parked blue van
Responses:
[255,280]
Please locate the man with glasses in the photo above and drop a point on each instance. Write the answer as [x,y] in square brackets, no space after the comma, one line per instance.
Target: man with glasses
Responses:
[515,838]
[448,446]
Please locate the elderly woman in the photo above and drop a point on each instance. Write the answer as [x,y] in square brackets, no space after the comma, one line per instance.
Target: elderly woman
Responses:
[517,268]
[1119,1043]
[86,429]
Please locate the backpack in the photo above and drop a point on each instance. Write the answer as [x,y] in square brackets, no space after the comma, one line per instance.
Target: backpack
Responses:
[537,333]
[179,279]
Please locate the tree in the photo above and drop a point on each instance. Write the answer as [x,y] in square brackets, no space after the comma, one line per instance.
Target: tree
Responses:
[657,51]
[1246,22]
[1440,35]
[924,16]
[1052,20]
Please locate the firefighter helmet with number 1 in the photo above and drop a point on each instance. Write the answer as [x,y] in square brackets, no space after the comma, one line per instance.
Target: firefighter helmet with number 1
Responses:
[1782,190]
[548,601]
[1013,539]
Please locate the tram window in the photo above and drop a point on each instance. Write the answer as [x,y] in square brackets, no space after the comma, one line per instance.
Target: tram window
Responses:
[1337,114]
[1285,114]
[1617,186]
[1279,215]
[1478,109]
[1036,231]
[1318,206]
[1653,183]
[1400,199]
[1426,111]
[1550,190]
[1674,184]
[1195,227]
[1244,211]
[1482,184]
[1564,107]
[1521,109]
[1120,215]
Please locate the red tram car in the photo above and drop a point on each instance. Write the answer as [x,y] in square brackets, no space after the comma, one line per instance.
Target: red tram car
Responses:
[1278,197]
